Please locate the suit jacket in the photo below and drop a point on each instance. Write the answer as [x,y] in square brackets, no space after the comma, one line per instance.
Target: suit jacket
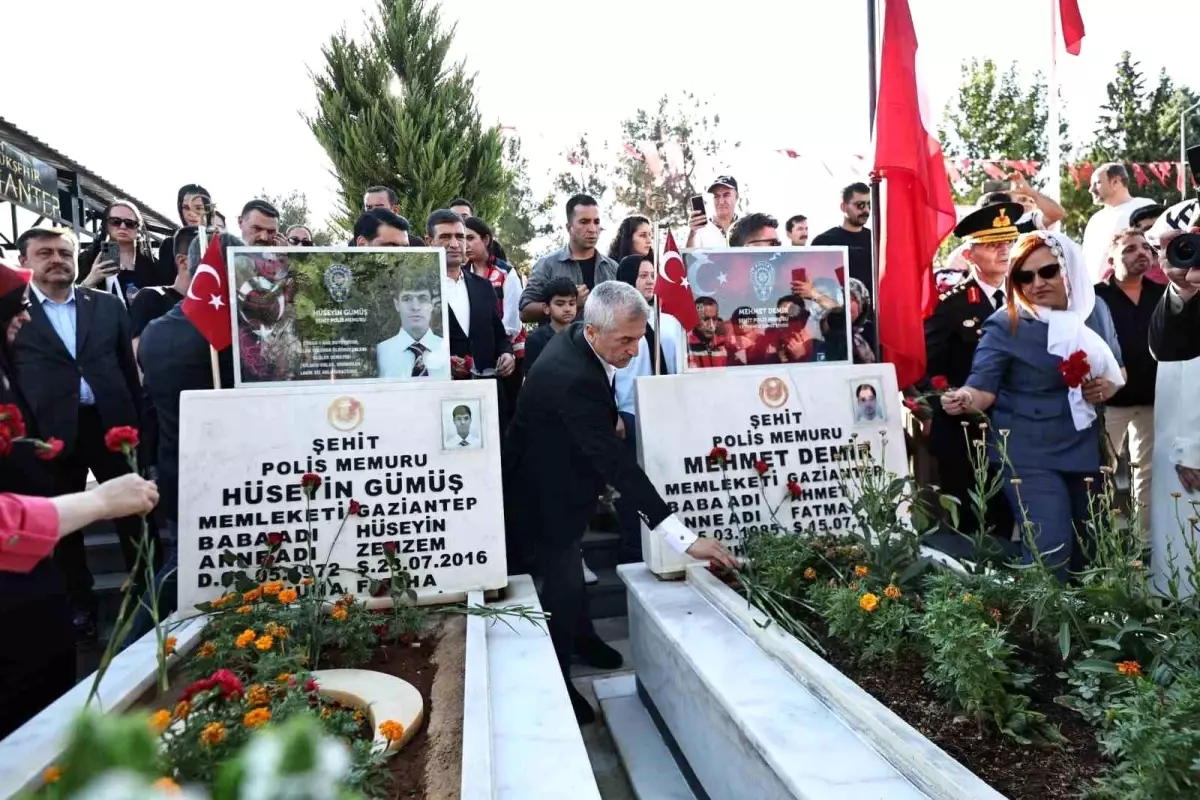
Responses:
[49,377]
[562,447]
[488,339]
[1175,328]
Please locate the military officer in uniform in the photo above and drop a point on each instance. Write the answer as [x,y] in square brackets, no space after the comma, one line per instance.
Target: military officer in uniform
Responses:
[952,333]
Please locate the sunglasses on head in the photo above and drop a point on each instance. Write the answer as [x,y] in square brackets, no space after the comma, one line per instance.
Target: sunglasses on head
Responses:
[298,242]
[1046,273]
[121,221]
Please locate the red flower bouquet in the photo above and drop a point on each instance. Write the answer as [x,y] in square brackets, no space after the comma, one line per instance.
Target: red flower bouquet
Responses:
[1075,369]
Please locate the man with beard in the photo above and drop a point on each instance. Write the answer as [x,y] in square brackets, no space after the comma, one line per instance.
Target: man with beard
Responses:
[259,222]
[853,233]
[951,335]
[706,342]
[579,260]
[1131,300]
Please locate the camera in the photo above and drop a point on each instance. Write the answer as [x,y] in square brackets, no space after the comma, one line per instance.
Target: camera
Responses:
[1183,252]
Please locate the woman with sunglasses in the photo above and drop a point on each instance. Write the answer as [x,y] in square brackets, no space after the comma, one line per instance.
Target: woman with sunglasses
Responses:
[135,268]
[299,236]
[1044,434]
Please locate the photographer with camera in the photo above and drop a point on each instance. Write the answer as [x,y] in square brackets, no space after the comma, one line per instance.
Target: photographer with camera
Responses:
[1175,326]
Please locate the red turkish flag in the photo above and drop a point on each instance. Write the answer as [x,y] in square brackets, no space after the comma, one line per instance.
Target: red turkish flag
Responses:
[1072,25]
[671,287]
[917,209]
[207,301]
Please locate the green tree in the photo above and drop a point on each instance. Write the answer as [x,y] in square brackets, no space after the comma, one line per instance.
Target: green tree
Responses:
[392,110]
[293,210]
[671,140]
[523,218]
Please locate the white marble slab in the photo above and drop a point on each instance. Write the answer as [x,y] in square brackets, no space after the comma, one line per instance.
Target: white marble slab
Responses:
[537,749]
[920,760]
[746,726]
[477,771]
[652,772]
[26,752]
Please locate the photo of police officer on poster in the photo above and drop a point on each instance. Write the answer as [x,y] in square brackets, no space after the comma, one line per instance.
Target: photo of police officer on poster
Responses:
[337,313]
[768,306]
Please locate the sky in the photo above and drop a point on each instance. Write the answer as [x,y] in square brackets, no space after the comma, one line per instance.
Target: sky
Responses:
[151,94]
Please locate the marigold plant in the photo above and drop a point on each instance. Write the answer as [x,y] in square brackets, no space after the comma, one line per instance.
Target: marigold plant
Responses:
[391,730]
[207,650]
[244,609]
[245,638]
[169,646]
[182,709]
[213,734]
[861,570]
[257,695]
[252,595]
[868,602]
[810,574]
[1130,669]
[256,717]
[272,587]
[159,720]
[892,592]
[288,596]
[338,613]
[51,775]
[265,642]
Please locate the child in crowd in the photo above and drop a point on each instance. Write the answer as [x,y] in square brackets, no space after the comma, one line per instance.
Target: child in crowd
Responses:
[562,297]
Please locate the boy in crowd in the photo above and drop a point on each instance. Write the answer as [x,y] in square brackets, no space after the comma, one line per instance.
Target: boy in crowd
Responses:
[562,300]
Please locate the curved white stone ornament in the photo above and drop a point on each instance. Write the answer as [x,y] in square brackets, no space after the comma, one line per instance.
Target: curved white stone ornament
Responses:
[380,696]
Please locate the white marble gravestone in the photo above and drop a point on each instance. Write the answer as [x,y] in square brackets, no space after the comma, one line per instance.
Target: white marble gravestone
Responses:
[799,419]
[422,460]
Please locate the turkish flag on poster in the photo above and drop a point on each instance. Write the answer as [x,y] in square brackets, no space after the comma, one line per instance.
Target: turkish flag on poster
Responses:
[671,287]
[917,208]
[207,301]
[1072,25]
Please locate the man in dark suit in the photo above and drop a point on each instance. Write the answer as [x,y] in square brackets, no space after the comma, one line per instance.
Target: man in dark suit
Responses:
[74,360]
[475,327]
[951,335]
[1175,326]
[562,450]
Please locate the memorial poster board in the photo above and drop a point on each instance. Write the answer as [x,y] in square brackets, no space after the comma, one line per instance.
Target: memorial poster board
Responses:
[799,419]
[393,448]
[338,314]
[768,306]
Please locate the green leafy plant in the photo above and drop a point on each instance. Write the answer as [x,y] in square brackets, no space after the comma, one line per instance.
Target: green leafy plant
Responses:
[878,625]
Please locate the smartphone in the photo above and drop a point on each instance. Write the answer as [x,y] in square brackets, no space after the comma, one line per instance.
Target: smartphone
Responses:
[996,186]
[799,275]
[111,251]
[697,202]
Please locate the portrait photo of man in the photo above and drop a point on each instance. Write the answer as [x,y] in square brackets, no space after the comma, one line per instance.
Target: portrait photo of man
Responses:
[868,408]
[460,425]
[416,351]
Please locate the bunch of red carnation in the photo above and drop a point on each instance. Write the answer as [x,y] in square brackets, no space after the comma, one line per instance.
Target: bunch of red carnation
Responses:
[1075,369]
[223,679]
[12,428]
[460,368]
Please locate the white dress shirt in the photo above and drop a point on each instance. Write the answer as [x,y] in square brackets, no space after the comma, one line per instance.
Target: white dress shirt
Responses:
[990,292]
[396,360]
[458,300]
[512,303]
[1101,228]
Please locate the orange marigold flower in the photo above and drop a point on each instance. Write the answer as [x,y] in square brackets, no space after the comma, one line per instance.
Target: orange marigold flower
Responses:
[306,581]
[868,602]
[1130,669]
[245,637]
[257,695]
[257,717]
[892,592]
[283,677]
[391,730]
[52,775]
[338,613]
[265,642]
[169,646]
[182,709]
[166,785]
[810,574]
[287,596]
[252,595]
[861,570]
[244,609]
[359,716]
[213,734]
[278,631]
[207,650]
[272,587]
[326,712]
[223,600]
[159,720]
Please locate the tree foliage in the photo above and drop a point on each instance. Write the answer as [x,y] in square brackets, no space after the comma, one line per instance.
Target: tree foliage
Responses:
[391,110]
[293,210]
[522,219]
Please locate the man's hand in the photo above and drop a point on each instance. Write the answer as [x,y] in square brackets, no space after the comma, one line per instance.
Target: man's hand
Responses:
[1190,478]
[712,550]
[582,291]
[505,365]
[956,402]
[1186,281]
[697,220]
[803,289]
[127,495]
[620,427]
[100,270]
[279,240]
[1020,186]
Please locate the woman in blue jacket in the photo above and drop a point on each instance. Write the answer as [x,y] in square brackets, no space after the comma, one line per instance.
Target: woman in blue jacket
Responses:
[1050,430]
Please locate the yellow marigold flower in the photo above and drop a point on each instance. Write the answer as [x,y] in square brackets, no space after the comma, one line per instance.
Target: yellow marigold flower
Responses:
[359,716]
[326,712]
[213,734]
[244,609]
[252,595]
[306,581]
[287,596]
[166,785]
[346,600]
[245,637]
[1130,669]
[207,650]
[52,775]
[257,695]
[283,677]
[272,587]
[810,574]
[892,592]
[861,570]
[967,597]
[265,642]
[159,720]
[182,709]
[278,631]
[338,613]
[257,717]
[868,602]
[391,730]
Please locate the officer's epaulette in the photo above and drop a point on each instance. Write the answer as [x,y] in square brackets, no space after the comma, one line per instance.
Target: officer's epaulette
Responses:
[958,288]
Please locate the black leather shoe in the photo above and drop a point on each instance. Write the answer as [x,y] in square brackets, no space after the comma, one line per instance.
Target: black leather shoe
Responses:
[584,714]
[83,625]
[595,653]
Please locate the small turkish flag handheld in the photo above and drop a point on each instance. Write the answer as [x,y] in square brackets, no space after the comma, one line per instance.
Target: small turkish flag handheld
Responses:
[207,301]
[918,210]
[671,287]
[1072,25]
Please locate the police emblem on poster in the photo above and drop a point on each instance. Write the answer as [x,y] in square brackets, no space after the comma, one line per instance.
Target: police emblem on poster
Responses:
[762,276]
[338,279]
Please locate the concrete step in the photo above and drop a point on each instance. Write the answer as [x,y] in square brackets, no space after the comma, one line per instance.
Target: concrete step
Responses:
[606,598]
[649,764]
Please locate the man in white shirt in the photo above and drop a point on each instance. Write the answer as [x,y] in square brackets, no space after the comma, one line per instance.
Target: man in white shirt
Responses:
[1110,190]
[708,233]
[416,351]
[461,435]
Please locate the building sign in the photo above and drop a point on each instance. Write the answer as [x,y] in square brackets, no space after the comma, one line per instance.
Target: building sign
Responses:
[811,424]
[28,182]
[421,460]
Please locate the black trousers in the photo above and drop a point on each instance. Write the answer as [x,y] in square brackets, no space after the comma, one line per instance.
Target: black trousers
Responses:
[563,595]
[627,515]
[90,453]
[957,478]
[37,659]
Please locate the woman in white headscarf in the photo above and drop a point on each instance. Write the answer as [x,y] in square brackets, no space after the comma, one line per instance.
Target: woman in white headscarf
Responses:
[1048,429]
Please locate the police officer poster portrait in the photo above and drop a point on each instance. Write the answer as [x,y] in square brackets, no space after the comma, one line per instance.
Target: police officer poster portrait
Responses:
[952,333]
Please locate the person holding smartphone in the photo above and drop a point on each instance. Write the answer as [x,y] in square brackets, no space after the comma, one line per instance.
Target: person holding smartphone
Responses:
[119,261]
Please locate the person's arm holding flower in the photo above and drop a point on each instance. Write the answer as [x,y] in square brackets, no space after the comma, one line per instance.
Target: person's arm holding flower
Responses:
[987,370]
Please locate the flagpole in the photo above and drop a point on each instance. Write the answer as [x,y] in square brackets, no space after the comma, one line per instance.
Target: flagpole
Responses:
[209,210]
[872,101]
[655,203]
[1054,190]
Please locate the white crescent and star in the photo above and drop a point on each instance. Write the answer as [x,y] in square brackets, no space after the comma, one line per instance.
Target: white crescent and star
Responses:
[670,256]
[200,270]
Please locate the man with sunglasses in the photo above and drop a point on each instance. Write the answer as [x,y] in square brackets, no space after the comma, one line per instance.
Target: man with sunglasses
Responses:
[853,233]
[952,333]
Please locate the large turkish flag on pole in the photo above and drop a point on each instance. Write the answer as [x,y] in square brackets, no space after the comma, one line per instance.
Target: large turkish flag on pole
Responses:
[207,300]
[1072,25]
[917,208]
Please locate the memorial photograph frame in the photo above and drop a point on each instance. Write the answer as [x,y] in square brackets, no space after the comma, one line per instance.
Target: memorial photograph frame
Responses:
[452,435]
[301,315]
[854,386]
[755,324]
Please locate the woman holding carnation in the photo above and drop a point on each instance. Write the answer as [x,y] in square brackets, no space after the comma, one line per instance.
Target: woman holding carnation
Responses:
[1043,365]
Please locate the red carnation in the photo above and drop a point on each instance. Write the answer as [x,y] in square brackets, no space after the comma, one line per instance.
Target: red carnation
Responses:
[311,685]
[49,449]
[355,507]
[795,490]
[719,454]
[939,383]
[121,439]
[310,481]
[274,539]
[910,404]
[230,684]
[5,441]
[390,547]
[762,467]
[1075,369]
[196,687]
[10,418]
